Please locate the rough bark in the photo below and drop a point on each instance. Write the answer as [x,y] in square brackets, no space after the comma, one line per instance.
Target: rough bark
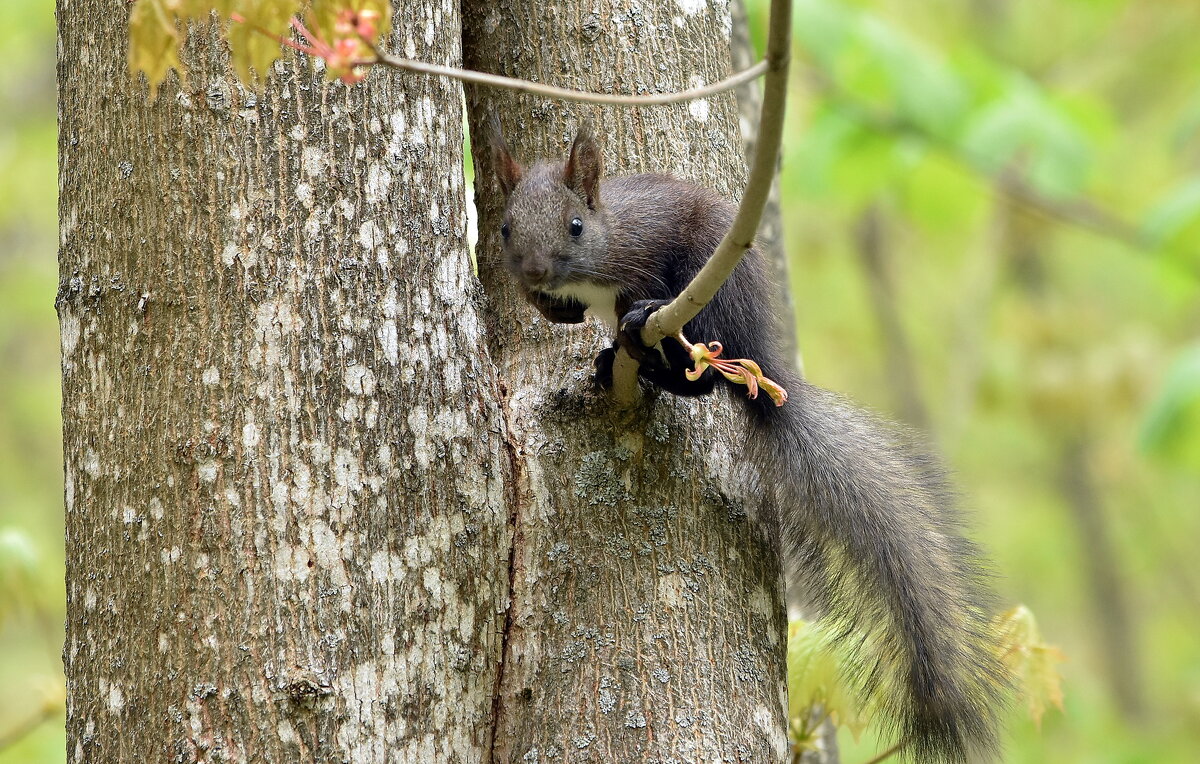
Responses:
[647,620]
[286,473]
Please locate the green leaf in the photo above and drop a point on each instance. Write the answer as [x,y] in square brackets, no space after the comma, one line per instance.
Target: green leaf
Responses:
[154,39]
[1188,127]
[873,162]
[1032,661]
[1023,128]
[1176,411]
[820,148]
[815,671]
[1174,213]
[822,28]
[322,17]
[924,89]
[254,44]
[158,28]
[18,571]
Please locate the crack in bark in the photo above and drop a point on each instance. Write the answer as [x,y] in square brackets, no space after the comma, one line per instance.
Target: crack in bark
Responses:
[517,499]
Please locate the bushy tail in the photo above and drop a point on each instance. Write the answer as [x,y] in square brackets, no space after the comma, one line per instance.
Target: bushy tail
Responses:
[871,538]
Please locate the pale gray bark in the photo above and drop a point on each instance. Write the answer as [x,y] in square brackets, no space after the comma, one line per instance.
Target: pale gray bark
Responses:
[647,620]
[287,481]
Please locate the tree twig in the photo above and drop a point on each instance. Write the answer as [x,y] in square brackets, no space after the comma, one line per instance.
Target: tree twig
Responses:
[889,753]
[771,229]
[670,319]
[566,94]
[321,49]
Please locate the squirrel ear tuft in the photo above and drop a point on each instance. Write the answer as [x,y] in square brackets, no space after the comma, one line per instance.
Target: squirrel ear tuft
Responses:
[508,172]
[583,169]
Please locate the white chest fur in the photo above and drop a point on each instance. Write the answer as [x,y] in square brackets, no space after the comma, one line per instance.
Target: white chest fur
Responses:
[600,301]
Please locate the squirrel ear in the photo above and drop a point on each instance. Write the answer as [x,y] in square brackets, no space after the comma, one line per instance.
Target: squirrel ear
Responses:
[508,172]
[582,171]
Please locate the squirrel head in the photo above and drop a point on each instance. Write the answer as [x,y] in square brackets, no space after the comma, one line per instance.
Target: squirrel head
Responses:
[554,229]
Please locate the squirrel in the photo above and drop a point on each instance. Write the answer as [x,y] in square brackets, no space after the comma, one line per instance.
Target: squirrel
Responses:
[868,528]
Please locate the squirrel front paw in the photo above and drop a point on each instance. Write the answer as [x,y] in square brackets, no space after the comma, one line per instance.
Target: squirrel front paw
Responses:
[630,334]
[604,367]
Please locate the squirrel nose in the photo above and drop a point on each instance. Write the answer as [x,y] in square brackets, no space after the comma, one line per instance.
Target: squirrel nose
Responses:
[534,272]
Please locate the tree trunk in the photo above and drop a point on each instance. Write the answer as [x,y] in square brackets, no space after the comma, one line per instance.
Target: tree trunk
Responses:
[287,482]
[770,230]
[1070,425]
[647,620]
[1116,632]
[771,241]
[872,242]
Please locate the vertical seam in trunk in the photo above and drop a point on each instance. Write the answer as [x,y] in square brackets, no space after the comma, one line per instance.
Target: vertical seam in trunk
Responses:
[517,497]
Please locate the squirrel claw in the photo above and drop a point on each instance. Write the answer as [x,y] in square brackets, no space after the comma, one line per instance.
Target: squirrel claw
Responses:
[630,334]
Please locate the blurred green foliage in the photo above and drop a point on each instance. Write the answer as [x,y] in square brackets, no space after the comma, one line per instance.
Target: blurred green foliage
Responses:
[1034,169]
[1034,172]
[31,515]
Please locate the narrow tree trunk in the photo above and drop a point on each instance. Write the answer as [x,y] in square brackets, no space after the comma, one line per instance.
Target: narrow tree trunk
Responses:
[1110,599]
[770,231]
[647,619]
[875,254]
[772,241]
[286,472]
[1116,630]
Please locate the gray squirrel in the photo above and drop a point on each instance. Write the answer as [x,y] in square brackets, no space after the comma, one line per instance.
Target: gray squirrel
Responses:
[869,531]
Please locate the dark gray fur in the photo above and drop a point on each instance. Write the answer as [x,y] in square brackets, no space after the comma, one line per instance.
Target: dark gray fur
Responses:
[869,531]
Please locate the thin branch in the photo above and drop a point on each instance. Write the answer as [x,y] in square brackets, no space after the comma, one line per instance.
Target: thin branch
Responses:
[566,94]
[321,49]
[889,753]
[771,229]
[1079,212]
[670,319]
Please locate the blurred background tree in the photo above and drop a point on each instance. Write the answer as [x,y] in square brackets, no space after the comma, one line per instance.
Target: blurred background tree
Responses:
[992,212]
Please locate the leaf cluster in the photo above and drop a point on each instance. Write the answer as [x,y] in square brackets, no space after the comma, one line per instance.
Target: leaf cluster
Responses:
[884,100]
[254,29]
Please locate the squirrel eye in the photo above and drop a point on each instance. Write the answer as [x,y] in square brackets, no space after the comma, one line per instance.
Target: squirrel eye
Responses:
[576,226]
[504,230]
